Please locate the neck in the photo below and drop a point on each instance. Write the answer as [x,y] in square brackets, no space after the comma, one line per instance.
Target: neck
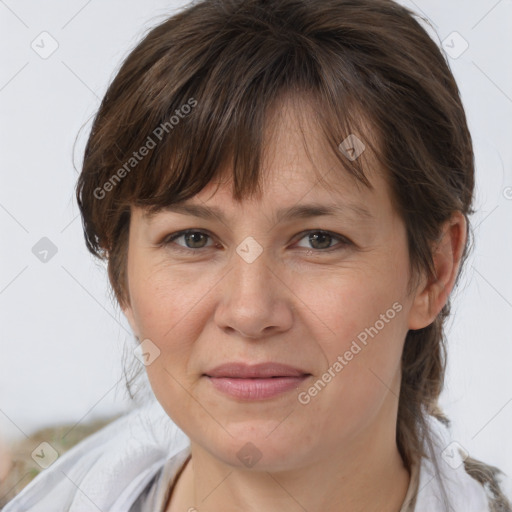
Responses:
[366,474]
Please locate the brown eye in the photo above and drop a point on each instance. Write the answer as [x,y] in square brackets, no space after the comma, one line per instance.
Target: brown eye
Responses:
[192,240]
[195,239]
[320,240]
[323,240]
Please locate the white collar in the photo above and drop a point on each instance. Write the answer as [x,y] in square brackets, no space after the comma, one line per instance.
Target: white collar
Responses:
[112,467]
[463,493]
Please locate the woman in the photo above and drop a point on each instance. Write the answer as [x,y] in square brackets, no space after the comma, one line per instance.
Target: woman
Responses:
[281,190]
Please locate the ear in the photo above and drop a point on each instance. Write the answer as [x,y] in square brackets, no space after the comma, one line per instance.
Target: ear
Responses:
[432,295]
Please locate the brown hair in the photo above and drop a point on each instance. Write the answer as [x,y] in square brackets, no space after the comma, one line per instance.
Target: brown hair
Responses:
[230,61]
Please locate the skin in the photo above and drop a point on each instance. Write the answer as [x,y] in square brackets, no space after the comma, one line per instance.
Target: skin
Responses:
[296,304]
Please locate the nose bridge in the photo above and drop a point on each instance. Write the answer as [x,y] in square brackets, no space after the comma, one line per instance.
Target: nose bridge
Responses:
[251,298]
[251,274]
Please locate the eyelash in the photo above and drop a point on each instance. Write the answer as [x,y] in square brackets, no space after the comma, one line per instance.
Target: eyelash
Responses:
[166,242]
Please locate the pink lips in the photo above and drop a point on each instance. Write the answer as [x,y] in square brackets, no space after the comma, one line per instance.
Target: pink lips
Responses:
[255,382]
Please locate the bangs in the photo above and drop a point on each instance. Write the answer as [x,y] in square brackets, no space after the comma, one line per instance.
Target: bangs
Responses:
[194,101]
[210,123]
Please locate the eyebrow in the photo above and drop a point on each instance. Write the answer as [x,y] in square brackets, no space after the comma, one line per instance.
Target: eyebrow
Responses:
[300,211]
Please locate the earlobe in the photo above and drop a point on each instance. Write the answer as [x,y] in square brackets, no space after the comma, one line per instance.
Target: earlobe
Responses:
[433,293]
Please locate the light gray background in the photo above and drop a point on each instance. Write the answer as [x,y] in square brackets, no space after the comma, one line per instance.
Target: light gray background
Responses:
[61,335]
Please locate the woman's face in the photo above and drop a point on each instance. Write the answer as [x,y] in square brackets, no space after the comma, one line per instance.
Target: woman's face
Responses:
[261,286]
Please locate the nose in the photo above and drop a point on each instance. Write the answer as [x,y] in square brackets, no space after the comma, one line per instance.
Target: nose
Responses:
[254,301]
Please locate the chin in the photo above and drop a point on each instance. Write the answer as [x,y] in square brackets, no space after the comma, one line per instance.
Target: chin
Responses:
[259,451]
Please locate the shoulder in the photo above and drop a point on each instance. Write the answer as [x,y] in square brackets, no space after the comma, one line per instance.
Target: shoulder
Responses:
[449,477]
[108,469]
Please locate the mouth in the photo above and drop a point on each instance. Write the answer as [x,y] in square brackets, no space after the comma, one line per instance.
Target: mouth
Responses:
[256,371]
[255,382]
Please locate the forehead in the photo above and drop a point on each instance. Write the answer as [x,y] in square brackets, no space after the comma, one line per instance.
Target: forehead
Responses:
[298,165]
[295,141]
[299,173]
[289,196]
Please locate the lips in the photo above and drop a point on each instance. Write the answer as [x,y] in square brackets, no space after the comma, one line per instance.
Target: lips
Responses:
[257,371]
[262,381]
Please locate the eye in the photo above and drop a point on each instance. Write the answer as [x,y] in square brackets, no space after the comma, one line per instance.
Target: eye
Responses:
[193,239]
[321,240]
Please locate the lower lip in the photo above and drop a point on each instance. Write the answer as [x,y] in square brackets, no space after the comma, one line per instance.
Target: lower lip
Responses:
[256,389]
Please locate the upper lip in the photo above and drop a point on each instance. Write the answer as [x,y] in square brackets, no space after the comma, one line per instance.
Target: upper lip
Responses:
[262,370]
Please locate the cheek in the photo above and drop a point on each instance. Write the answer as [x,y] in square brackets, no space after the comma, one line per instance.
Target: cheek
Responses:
[362,325]
[165,299]
[363,366]
[171,308]
[167,306]
[356,304]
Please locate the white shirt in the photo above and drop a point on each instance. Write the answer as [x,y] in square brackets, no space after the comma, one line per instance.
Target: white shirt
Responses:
[131,464]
